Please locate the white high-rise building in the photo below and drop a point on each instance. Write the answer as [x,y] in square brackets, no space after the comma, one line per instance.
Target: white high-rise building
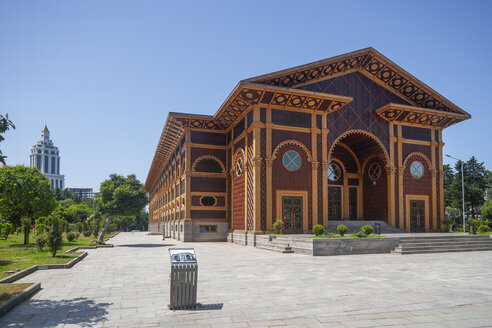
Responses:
[46,158]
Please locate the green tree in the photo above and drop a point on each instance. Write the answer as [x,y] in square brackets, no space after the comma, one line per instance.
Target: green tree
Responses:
[476,182]
[5,124]
[448,181]
[25,193]
[120,196]
[78,212]
[54,234]
[487,209]
[6,229]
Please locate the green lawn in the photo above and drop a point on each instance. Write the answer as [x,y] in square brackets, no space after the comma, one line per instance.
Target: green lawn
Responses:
[14,255]
[10,290]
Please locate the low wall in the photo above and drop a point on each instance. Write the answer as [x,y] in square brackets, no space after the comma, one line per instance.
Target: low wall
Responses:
[347,246]
[317,247]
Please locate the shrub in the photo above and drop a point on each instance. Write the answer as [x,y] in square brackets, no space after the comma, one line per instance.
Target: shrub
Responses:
[6,229]
[483,228]
[54,235]
[361,234]
[77,235]
[79,226]
[330,235]
[318,230]
[18,230]
[41,241]
[342,229]
[87,233]
[71,236]
[447,225]
[278,226]
[366,229]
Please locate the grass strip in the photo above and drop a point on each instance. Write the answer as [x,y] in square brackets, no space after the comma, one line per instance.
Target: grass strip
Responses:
[8,291]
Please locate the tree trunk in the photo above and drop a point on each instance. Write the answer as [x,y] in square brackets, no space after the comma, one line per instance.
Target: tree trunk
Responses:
[26,235]
[103,231]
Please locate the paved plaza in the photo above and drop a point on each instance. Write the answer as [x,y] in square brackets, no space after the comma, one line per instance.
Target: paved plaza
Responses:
[128,286]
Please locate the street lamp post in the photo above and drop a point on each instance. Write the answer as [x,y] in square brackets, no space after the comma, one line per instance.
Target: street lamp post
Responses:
[462,187]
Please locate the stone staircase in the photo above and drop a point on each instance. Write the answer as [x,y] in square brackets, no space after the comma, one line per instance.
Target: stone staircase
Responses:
[275,243]
[354,226]
[444,244]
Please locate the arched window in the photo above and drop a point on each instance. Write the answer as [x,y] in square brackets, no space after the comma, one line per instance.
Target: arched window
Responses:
[208,164]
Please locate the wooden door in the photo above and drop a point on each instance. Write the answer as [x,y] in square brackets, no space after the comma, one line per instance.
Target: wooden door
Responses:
[417,216]
[292,214]
[334,203]
[353,203]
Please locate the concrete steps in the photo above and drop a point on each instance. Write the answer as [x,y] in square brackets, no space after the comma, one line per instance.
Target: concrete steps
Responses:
[277,245]
[414,245]
[354,226]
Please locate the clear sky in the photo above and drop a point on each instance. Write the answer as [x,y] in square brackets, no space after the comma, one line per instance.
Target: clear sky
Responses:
[104,74]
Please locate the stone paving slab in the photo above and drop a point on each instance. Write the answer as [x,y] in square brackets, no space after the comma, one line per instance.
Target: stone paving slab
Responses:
[128,286]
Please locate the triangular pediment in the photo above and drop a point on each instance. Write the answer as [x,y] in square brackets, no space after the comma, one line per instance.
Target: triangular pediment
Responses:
[371,64]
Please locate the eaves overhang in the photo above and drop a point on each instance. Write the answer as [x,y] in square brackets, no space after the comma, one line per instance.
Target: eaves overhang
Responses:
[419,116]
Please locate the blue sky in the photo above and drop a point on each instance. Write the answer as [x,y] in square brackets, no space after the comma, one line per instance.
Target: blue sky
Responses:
[104,74]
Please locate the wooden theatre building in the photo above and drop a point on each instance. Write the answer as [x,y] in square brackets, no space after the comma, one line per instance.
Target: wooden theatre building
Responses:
[353,137]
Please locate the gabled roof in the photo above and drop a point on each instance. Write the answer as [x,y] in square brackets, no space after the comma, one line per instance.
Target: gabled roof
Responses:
[373,65]
[280,88]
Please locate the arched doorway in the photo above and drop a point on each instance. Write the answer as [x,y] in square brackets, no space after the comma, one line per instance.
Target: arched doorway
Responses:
[357,178]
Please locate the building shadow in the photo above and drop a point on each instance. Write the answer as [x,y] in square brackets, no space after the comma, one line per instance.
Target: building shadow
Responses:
[79,312]
[145,245]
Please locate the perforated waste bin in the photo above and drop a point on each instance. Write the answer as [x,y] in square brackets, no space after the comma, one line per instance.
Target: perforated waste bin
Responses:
[183,278]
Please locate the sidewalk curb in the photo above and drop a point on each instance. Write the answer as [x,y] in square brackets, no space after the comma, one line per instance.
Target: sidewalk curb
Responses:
[14,301]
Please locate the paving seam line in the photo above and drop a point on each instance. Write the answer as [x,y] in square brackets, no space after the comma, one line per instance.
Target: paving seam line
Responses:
[8,305]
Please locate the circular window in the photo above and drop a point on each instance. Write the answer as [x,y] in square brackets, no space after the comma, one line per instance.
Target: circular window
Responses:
[416,169]
[334,172]
[207,201]
[374,171]
[291,160]
[239,166]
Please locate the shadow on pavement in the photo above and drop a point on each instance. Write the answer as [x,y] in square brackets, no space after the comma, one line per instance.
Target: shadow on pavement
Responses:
[207,307]
[145,245]
[79,312]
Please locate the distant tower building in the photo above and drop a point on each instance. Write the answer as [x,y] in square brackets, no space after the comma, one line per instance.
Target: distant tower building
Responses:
[45,157]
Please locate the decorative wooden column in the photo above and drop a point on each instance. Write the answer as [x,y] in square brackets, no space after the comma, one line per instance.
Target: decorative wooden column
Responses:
[314,172]
[441,181]
[434,172]
[324,168]
[257,169]
[391,179]
[245,172]
[188,176]
[401,212]
[268,155]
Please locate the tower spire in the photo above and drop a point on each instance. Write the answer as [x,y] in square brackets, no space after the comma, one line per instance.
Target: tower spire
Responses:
[45,134]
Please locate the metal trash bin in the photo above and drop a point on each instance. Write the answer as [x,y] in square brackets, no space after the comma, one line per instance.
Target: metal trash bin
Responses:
[471,227]
[377,228]
[183,278]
